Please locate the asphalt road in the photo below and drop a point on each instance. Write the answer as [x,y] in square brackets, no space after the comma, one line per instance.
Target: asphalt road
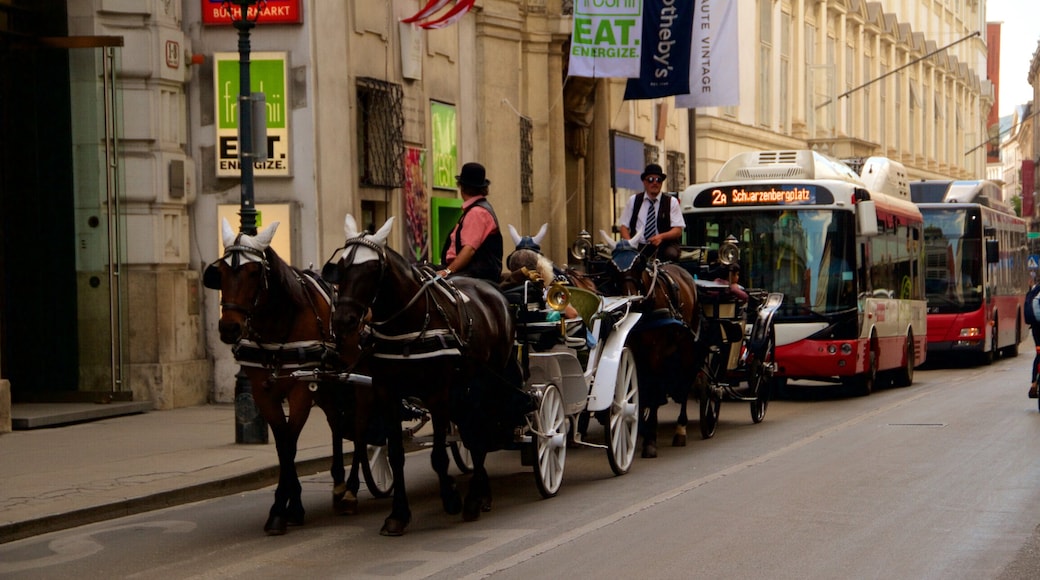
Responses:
[938,480]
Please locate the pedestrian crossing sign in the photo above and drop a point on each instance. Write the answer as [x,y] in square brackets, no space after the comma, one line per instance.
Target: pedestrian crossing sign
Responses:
[1034,262]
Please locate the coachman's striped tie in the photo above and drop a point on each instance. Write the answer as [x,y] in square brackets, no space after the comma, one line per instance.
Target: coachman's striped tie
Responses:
[651,221]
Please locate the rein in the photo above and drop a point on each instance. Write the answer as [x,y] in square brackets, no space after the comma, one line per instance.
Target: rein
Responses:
[416,344]
[251,350]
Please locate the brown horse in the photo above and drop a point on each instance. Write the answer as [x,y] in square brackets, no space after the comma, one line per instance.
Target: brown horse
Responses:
[449,343]
[279,320]
[664,343]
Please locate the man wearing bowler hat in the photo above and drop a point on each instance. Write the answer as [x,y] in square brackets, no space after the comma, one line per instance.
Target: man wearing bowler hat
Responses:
[474,246]
[657,216]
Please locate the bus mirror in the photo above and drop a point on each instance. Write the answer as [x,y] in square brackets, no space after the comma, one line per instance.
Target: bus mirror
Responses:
[992,251]
[867,215]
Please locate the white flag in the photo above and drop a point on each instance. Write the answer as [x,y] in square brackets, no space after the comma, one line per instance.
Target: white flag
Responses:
[606,38]
[714,62]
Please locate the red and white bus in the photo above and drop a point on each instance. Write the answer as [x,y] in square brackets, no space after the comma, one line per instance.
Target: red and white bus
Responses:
[848,259]
[976,274]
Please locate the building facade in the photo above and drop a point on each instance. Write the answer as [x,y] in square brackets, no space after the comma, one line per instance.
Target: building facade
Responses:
[373,117]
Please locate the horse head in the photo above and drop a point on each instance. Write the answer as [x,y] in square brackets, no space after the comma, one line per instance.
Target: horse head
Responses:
[528,254]
[627,263]
[241,276]
[529,242]
[358,269]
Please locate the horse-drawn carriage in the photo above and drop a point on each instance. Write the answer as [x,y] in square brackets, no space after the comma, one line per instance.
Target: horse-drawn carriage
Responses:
[725,343]
[575,366]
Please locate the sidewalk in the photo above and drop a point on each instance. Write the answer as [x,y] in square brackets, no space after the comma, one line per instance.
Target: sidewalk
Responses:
[68,476]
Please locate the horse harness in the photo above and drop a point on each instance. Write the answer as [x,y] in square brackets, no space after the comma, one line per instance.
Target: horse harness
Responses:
[252,352]
[426,342]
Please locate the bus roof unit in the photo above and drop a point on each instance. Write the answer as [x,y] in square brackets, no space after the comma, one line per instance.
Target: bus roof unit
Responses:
[884,175]
[790,164]
[980,191]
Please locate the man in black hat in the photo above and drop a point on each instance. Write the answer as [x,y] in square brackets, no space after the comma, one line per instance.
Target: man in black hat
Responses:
[657,216]
[474,246]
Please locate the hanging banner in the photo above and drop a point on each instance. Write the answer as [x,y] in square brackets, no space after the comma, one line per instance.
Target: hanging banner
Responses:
[714,62]
[416,222]
[267,74]
[606,38]
[665,59]
[445,145]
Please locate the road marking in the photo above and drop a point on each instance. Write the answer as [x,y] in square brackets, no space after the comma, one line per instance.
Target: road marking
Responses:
[673,493]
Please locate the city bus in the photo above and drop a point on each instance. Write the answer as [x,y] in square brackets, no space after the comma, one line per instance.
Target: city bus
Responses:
[976,273]
[848,259]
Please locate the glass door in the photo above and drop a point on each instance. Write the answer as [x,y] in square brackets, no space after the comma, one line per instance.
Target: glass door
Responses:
[98,198]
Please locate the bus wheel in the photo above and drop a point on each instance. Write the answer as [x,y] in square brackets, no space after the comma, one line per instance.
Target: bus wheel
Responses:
[862,385]
[1012,351]
[904,377]
[988,357]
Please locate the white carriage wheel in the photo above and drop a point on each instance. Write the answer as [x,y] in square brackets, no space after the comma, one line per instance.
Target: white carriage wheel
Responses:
[550,442]
[463,458]
[379,479]
[623,419]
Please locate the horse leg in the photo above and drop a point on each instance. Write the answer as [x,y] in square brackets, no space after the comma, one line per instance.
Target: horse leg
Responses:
[400,514]
[268,401]
[648,425]
[300,402]
[679,439]
[362,409]
[478,497]
[450,498]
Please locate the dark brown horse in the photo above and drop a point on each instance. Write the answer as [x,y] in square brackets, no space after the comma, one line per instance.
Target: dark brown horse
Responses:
[664,343]
[449,343]
[279,320]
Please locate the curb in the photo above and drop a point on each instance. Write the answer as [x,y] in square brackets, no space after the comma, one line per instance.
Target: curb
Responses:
[198,492]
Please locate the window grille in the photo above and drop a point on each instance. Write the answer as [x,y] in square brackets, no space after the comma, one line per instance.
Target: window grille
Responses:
[650,154]
[676,170]
[526,160]
[380,133]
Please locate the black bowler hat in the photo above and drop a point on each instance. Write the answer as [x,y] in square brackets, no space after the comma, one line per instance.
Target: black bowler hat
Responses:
[652,169]
[472,175]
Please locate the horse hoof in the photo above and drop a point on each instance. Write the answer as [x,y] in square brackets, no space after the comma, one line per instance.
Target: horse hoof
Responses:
[679,440]
[393,528]
[275,526]
[345,505]
[471,515]
[649,451]
[453,504]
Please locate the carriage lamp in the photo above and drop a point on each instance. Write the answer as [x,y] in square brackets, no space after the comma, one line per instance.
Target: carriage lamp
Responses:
[244,14]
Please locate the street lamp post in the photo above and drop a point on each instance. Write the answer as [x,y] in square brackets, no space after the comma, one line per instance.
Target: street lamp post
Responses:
[244,23]
[250,426]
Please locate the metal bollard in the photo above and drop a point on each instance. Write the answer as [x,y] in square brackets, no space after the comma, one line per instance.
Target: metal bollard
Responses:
[250,426]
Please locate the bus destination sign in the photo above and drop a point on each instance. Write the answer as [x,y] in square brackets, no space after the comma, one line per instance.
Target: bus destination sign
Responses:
[743,195]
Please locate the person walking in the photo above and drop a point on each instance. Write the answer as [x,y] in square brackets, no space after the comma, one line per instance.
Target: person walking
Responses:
[657,216]
[1031,313]
[474,246]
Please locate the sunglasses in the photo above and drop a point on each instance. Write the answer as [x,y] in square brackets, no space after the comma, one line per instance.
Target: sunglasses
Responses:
[655,179]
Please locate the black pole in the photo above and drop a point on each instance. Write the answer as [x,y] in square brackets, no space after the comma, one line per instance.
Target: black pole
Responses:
[250,426]
[243,24]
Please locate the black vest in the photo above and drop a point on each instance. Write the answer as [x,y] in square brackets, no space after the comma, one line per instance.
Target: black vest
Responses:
[664,214]
[487,261]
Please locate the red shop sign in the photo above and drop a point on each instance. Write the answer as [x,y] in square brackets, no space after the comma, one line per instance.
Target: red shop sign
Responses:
[271,12]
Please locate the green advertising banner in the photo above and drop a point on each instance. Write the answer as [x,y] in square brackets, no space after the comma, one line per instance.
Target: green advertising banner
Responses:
[445,147]
[268,74]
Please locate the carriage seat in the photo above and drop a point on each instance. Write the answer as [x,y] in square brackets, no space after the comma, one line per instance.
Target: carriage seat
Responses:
[718,301]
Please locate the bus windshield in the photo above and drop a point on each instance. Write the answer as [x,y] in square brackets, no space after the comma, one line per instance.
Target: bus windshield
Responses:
[808,254]
[953,260]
